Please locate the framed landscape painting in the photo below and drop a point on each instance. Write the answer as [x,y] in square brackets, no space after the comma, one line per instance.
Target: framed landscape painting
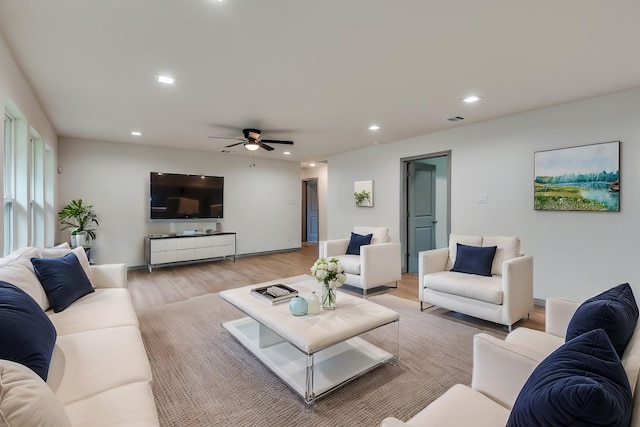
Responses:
[584,178]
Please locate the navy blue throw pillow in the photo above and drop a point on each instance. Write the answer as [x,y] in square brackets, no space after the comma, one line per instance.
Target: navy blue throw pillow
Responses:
[583,383]
[474,259]
[614,310]
[356,241]
[27,336]
[63,280]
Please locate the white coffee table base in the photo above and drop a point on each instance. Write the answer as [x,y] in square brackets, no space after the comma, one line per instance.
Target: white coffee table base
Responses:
[313,375]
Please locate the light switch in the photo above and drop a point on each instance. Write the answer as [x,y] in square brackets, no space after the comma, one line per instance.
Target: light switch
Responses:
[483,198]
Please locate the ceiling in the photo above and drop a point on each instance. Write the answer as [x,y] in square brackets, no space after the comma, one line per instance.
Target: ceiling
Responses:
[316,72]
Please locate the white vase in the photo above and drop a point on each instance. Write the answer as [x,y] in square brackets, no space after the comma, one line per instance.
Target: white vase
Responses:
[313,304]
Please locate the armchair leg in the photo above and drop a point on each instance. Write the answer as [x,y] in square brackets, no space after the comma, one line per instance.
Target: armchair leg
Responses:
[423,308]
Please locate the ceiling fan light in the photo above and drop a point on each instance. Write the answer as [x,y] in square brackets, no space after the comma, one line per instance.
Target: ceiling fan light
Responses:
[252,146]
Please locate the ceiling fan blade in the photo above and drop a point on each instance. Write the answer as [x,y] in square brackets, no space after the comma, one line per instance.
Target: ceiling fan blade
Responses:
[265,146]
[225,137]
[233,145]
[276,141]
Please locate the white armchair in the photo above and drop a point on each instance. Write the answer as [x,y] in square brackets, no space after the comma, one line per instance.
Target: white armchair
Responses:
[501,368]
[504,297]
[499,371]
[378,264]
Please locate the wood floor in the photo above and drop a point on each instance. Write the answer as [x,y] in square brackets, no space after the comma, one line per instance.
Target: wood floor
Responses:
[172,284]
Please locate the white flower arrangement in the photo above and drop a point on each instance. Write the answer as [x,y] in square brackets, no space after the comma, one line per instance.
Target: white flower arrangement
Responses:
[330,272]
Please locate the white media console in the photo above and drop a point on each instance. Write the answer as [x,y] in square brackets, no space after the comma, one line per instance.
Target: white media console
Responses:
[165,250]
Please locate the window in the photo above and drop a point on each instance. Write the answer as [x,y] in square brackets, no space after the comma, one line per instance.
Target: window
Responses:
[9,183]
[36,203]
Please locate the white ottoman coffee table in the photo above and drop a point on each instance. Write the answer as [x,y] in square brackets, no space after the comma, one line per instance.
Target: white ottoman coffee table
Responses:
[313,354]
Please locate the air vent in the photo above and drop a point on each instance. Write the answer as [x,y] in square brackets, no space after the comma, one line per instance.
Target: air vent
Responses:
[455,119]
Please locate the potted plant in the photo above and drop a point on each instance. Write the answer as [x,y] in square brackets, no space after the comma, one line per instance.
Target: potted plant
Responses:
[80,219]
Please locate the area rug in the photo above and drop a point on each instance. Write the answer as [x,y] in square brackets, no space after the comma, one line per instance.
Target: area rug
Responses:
[203,377]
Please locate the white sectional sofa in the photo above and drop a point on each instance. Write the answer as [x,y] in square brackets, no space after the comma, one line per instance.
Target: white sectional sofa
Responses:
[99,374]
[504,295]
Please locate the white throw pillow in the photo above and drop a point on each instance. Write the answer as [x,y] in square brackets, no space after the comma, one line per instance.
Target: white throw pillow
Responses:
[19,272]
[508,247]
[380,234]
[26,400]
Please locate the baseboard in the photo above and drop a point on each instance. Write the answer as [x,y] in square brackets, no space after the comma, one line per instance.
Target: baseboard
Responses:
[277,251]
[540,302]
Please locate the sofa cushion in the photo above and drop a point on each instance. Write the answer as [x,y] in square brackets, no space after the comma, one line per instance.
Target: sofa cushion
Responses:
[102,368]
[474,259]
[26,400]
[27,336]
[104,308]
[63,279]
[461,406]
[482,288]
[454,239]
[16,269]
[351,263]
[127,405]
[508,247]
[582,383]
[356,241]
[614,310]
[380,234]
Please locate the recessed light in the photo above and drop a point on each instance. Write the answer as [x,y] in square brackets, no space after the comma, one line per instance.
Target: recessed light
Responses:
[287,153]
[472,98]
[313,165]
[374,127]
[136,133]
[166,80]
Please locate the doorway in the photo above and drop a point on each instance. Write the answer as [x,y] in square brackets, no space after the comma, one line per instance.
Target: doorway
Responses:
[426,205]
[310,207]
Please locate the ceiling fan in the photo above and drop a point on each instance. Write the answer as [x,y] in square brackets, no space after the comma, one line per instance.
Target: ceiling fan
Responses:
[252,140]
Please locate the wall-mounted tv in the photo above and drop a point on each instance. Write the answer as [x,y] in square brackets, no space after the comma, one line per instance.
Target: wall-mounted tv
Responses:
[180,196]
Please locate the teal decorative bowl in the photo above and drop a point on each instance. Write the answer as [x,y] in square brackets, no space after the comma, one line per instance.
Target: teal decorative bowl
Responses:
[298,306]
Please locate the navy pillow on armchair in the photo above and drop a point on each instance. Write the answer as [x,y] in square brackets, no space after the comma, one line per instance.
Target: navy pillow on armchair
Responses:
[474,259]
[614,310]
[582,383]
[356,241]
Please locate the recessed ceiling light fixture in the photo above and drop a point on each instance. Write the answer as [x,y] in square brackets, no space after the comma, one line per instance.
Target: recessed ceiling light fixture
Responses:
[287,153]
[168,80]
[374,127]
[313,165]
[471,99]
[136,133]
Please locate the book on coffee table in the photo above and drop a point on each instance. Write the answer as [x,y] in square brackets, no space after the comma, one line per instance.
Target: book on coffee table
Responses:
[274,294]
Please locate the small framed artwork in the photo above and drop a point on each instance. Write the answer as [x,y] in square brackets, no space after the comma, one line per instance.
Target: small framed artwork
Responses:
[584,178]
[363,194]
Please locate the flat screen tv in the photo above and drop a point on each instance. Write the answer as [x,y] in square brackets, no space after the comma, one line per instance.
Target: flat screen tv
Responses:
[180,196]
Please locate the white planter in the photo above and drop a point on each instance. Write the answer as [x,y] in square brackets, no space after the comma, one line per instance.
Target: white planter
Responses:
[79,239]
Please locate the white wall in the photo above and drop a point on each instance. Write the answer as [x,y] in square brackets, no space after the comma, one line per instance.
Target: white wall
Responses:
[320,173]
[17,97]
[261,203]
[576,254]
